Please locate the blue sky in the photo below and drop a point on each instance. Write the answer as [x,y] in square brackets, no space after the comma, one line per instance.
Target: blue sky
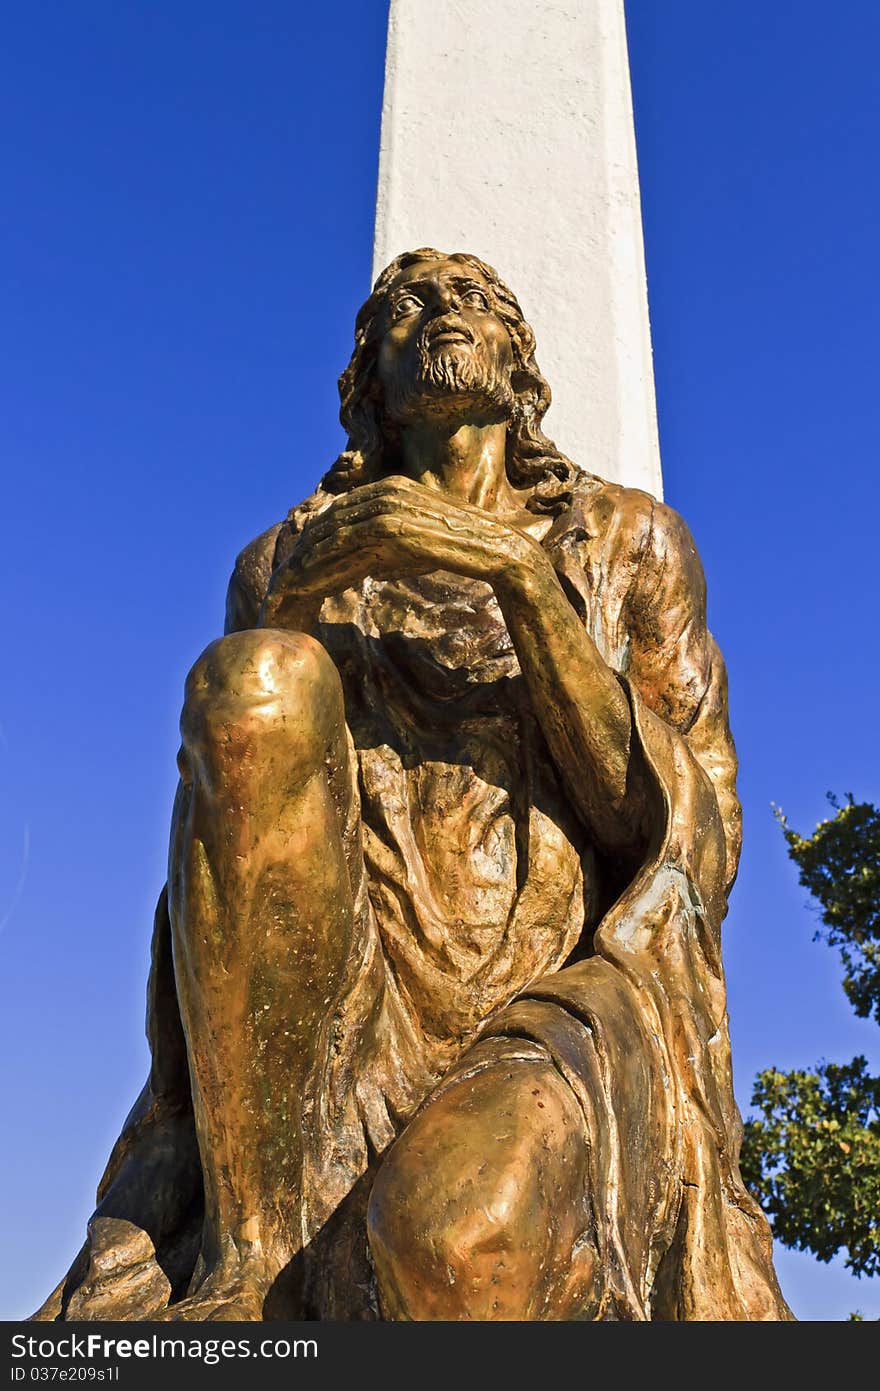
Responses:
[186,235]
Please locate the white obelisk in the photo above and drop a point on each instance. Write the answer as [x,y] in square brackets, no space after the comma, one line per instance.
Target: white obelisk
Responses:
[507,131]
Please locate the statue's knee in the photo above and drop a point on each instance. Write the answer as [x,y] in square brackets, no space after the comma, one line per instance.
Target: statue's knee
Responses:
[434,1251]
[260,682]
[261,665]
[480,1200]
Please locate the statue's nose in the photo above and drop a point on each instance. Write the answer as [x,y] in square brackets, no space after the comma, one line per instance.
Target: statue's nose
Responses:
[446,299]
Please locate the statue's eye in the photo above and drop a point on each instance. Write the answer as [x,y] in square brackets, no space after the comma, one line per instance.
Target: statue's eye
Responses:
[406,305]
[475,299]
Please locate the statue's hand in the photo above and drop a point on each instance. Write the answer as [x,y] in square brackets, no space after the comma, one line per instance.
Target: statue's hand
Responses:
[399,527]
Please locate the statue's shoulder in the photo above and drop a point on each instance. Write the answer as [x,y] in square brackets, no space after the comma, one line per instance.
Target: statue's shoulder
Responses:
[255,563]
[633,523]
[250,579]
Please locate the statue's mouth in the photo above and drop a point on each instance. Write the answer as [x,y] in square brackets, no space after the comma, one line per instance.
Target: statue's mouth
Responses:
[441,333]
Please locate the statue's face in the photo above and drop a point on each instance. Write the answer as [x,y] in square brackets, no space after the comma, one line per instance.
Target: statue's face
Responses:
[445,351]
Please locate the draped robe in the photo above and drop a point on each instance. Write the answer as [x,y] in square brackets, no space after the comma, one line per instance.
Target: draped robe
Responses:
[483,910]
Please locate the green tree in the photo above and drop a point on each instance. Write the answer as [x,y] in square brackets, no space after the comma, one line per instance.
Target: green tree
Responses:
[812,1155]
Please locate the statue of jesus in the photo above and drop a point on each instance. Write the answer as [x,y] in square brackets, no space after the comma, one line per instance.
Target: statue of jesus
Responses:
[437,1009]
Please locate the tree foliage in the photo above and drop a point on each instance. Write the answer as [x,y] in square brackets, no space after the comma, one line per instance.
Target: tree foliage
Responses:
[813,1161]
[812,1156]
[840,866]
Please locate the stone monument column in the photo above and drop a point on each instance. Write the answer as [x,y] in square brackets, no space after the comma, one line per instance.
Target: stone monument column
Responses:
[507,131]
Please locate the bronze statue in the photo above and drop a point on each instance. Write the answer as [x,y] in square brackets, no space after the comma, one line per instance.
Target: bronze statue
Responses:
[437,1009]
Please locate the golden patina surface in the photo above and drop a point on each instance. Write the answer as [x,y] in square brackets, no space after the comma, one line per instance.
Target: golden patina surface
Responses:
[437,1009]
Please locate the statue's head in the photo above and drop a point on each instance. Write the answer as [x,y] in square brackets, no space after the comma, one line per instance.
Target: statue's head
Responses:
[442,337]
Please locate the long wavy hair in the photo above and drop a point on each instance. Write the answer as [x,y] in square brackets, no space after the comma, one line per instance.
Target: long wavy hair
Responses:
[372,452]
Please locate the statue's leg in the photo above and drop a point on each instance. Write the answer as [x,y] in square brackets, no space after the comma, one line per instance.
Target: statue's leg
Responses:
[260,893]
[481,1208]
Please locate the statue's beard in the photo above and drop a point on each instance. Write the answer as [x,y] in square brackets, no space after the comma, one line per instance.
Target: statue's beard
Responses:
[456,381]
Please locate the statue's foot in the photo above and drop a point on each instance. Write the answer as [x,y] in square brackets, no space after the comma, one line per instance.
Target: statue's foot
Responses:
[122,1278]
[230,1299]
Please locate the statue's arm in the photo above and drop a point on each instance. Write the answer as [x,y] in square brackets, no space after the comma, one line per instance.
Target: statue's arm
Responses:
[581,705]
[676,665]
[655,595]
